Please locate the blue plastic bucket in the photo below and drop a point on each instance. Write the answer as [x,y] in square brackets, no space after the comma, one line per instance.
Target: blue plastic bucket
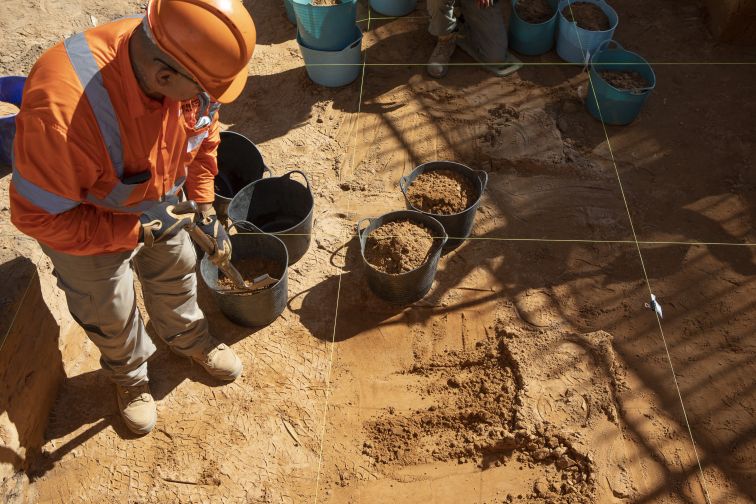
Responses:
[289,6]
[576,45]
[326,27]
[333,68]
[11,90]
[531,39]
[617,106]
[393,8]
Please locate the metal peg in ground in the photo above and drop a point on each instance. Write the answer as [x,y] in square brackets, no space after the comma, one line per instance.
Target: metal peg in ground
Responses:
[459,224]
[239,164]
[278,205]
[259,307]
[409,286]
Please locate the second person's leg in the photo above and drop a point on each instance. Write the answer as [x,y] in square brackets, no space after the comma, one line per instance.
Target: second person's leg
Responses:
[443,26]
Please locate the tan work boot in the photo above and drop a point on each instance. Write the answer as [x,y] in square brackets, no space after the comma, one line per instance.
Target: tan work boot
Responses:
[438,64]
[219,360]
[137,408]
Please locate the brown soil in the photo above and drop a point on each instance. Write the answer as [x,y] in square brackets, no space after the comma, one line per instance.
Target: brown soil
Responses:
[442,192]
[534,11]
[7,108]
[625,80]
[250,269]
[588,16]
[399,246]
[320,411]
[325,2]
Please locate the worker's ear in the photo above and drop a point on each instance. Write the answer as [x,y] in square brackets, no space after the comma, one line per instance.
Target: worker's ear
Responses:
[165,77]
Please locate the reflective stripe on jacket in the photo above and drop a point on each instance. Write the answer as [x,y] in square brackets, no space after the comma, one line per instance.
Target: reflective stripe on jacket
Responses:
[92,151]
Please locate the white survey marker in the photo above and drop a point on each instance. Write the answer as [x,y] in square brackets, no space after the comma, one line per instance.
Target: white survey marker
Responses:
[655,305]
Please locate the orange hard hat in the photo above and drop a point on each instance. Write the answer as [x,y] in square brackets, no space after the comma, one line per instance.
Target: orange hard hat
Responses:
[212,39]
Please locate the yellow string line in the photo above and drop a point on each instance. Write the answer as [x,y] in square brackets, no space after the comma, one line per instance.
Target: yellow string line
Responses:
[558,240]
[338,293]
[702,480]
[544,63]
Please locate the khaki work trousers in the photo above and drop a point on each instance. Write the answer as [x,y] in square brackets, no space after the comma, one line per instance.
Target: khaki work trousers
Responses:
[100,294]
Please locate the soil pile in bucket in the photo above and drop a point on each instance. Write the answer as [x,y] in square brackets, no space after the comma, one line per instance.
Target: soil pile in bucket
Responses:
[587,15]
[250,269]
[399,246]
[325,2]
[7,109]
[442,192]
[534,11]
[628,80]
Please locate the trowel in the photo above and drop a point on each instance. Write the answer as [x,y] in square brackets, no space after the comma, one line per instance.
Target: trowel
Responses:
[228,269]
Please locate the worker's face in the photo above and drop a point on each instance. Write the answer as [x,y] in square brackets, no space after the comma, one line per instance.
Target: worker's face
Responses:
[172,83]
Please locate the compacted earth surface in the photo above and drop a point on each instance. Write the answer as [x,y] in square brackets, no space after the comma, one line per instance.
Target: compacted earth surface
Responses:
[533,371]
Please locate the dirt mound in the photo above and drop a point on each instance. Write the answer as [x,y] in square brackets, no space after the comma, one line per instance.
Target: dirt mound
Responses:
[398,246]
[442,192]
[534,11]
[325,2]
[625,80]
[587,15]
[250,269]
[472,419]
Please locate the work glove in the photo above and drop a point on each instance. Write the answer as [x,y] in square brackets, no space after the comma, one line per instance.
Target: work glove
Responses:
[208,222]
[160,223]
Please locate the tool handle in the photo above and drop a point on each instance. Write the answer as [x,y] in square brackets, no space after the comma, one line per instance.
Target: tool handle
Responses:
[185,207]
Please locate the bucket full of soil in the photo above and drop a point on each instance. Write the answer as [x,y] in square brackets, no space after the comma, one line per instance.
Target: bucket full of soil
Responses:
[239,164]
[11,89]
[326,25]
[621,82]
[401,251]
[393,8]
[447,191]
[532,26]
[254,255]
[282,206]
[583,26]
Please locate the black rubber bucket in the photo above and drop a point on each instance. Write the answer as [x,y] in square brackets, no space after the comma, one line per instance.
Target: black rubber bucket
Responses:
[256,308]
[239,164]
[406,287]
[458,226]
[278,205]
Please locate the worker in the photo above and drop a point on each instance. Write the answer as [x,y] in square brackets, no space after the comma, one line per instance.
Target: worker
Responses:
[118,124]
[480,32]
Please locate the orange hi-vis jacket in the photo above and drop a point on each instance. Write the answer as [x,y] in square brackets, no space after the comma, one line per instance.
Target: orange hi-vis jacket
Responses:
[92,151]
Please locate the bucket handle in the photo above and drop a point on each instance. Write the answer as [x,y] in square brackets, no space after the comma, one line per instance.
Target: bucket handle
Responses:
[268,171]
[304,176]
[359,226]
[243,226]
[483,177]
[605,45]
[404,184]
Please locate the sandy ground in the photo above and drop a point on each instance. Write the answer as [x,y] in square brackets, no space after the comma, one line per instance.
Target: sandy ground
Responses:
[532,372]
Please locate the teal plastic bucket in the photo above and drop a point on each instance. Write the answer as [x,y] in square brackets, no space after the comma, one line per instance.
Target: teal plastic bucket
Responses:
[617,106]
[393,8]
[326,27]
[532,39]
[333,68]
[11,90]
[577,45]
[289,6]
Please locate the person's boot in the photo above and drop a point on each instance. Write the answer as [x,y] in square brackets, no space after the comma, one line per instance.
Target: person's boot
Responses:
[137,407]
[219,360]
[438,64]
